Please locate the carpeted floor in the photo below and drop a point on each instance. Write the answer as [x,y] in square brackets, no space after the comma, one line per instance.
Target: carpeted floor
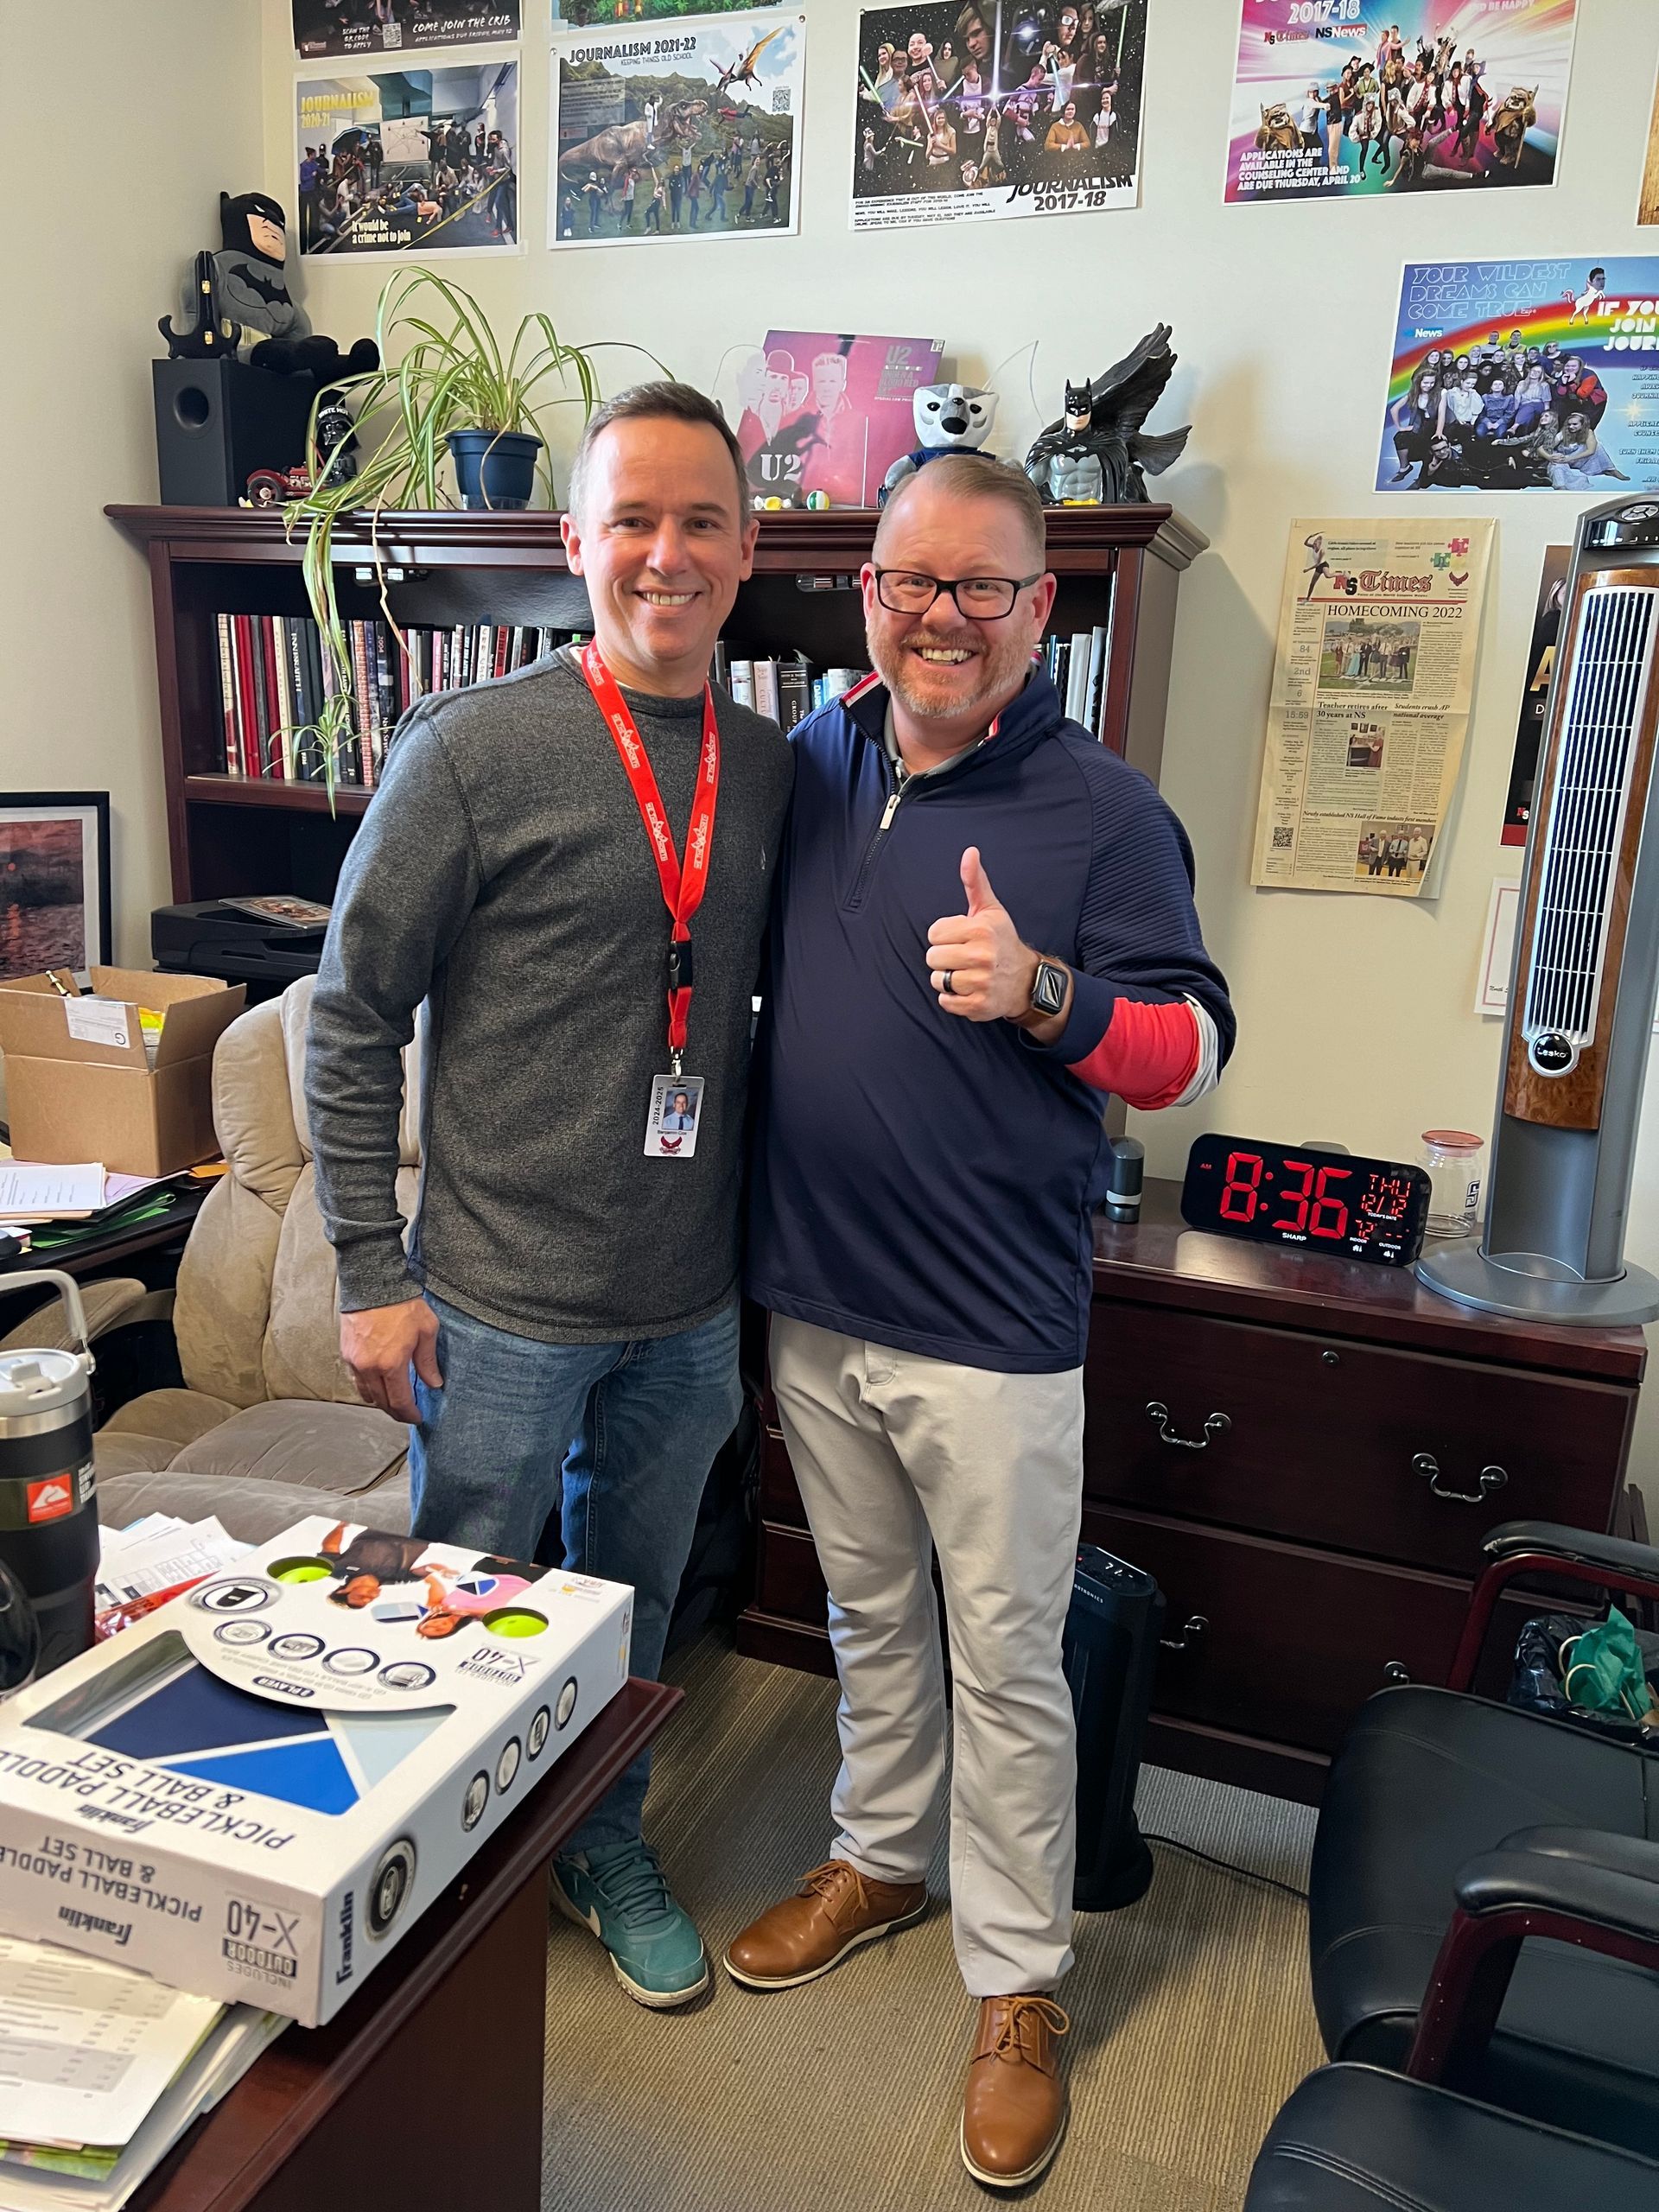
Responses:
[1191,2014]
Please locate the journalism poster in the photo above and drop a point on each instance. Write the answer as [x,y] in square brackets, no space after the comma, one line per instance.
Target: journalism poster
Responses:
[1541,665]
[1524,376]
[1372,685]
[366,27]
[418,161]
[586,14]
[996,109]
[676,130]
[1336,100]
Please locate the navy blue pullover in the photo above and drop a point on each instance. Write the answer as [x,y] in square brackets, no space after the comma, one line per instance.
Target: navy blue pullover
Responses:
[918,1180]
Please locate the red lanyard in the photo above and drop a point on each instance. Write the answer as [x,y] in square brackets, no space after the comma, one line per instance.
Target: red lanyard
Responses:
[682,887]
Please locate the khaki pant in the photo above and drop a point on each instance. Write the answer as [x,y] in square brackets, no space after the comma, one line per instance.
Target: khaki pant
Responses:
[896,1454]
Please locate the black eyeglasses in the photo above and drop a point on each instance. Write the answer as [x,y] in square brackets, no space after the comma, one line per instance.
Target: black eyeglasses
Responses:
[980,599]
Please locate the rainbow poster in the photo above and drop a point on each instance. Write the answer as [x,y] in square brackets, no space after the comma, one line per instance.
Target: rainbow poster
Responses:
[1524,376]
[1336,99]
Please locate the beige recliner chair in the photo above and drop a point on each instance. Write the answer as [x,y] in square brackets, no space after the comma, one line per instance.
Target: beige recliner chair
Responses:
[270,1427]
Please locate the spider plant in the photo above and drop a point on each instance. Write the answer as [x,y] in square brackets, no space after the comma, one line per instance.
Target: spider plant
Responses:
[450,373]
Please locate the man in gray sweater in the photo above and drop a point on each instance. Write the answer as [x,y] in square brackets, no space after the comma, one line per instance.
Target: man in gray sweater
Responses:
[545,866]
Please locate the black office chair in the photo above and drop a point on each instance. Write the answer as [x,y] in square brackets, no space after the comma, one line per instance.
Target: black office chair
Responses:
[1455,1831]
[1353,2139]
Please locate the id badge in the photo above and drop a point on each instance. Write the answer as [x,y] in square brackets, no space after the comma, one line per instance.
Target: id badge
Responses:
[675,1115]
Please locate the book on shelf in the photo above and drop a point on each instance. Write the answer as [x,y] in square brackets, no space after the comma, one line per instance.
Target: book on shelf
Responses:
[275,681]
[1076,666]
[786,690]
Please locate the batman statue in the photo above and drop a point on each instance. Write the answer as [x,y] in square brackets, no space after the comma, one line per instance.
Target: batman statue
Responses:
[237,302]
[1095,455]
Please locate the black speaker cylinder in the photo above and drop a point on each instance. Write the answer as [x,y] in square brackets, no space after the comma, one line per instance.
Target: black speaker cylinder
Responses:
[1109,1650]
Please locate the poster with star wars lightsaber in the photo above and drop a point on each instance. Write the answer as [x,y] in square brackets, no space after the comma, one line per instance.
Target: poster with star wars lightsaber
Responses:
[1339,99]
[995,110]
[1373,682]
[415,161]
[677,130]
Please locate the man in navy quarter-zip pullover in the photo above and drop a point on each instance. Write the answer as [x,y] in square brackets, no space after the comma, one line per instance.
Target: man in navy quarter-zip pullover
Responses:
[982,925]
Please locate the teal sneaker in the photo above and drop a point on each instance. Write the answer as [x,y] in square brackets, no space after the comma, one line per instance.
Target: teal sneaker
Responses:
[619,1892]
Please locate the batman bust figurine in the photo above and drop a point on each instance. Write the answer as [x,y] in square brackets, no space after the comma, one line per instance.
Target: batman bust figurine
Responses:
[1097,452]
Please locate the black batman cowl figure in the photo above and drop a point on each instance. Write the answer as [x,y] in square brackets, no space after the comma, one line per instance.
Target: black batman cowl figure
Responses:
[237,302]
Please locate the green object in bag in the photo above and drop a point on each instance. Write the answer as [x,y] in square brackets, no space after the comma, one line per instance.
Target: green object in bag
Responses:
[1602,1669]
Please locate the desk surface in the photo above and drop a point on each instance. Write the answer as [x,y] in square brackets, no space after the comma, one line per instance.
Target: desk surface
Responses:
[105,1254]
[1159,1258]
[230,2155]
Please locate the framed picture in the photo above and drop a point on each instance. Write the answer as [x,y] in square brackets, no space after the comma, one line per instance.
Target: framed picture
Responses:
[55,881]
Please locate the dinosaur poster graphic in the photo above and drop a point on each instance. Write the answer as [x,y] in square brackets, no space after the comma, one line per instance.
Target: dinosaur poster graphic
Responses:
[676,130]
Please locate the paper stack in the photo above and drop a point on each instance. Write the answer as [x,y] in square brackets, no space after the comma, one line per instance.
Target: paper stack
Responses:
[160,1552]
[101,2071]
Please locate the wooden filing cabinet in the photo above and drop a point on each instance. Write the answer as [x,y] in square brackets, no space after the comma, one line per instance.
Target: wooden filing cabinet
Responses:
[1305,1453]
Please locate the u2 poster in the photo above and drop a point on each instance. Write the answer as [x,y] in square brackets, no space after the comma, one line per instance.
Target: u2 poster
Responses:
[1335,100]
[414,160]
[996,109]
[664,130]
[1524,376]
[398,26]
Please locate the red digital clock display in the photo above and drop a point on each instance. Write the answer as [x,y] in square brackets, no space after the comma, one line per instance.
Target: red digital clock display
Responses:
[1332,1202]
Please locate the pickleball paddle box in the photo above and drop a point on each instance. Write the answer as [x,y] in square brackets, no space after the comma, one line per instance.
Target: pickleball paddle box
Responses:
[255,1792]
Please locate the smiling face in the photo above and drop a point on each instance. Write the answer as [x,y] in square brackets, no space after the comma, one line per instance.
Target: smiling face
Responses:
[949,674]
[663,541]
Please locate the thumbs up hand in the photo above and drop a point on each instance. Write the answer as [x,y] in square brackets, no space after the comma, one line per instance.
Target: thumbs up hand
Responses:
[976,963]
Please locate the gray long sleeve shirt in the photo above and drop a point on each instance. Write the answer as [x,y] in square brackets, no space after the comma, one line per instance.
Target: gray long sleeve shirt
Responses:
[502,874]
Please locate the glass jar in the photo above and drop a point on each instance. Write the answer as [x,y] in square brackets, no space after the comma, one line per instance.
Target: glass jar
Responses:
[1455,1160]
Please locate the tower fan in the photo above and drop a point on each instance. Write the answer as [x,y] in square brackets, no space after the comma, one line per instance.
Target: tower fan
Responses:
[1585,963]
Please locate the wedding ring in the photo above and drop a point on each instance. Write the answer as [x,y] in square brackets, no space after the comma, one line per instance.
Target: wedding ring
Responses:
[950,987]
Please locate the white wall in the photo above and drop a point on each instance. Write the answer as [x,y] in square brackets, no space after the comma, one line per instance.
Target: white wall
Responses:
[1354,1013]
[159,105]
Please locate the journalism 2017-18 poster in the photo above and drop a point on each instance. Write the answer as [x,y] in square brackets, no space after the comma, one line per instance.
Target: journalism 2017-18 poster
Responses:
[996,109]
[352,26]
[418,161]
[1524,376]
[677,132]
[1333,98]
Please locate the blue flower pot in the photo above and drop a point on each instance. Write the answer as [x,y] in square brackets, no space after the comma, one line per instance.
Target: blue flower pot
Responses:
[494,468]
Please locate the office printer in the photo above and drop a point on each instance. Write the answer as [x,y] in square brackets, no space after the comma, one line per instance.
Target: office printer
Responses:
[210,939]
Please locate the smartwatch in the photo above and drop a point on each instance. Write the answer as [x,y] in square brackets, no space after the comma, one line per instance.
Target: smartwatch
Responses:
[1048,989]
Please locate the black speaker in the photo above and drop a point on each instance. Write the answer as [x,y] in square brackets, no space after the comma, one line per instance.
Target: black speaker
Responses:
[1110,1649]
[217,421]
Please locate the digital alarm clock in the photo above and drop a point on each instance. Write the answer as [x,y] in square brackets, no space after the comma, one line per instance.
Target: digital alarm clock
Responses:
[1334,1201]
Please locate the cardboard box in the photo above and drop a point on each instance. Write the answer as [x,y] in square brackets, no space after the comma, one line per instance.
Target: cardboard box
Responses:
[257,1791]
[81,1086]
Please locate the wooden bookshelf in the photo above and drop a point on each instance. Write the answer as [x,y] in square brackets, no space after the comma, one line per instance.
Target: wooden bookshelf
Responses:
[1118,567]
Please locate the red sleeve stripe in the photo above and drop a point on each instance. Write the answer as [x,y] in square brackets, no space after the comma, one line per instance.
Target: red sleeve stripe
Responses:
[1149,1054]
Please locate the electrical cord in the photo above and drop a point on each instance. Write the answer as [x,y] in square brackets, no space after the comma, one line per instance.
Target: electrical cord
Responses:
[1227,1866]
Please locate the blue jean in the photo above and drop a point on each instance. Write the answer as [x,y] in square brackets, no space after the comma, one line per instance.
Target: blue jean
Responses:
[618,1436]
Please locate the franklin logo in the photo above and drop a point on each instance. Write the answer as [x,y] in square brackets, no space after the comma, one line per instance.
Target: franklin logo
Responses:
[344,1970]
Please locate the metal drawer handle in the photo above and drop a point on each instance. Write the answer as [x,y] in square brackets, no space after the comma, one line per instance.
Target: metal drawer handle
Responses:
[1158,1414]
[1491,1479]
[1194,1629]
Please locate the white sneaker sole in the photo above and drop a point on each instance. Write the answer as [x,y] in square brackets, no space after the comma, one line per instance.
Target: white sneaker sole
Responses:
[654,2000]
[1019,2180]
[795,1980]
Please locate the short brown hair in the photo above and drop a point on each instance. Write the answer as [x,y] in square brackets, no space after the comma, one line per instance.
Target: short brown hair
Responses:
[976,476]
[660,401]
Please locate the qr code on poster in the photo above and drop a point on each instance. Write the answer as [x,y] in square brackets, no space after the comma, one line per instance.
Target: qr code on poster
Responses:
[1281,840]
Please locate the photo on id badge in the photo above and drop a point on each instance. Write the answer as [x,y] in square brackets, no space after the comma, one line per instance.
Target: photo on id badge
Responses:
[672,1125]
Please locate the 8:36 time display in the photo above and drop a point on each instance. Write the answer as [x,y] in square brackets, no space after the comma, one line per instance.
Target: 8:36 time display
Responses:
[1336,1202]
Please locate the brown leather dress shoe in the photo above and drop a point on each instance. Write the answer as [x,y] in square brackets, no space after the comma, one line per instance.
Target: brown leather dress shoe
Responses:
[1014,2111]
[834,1911]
